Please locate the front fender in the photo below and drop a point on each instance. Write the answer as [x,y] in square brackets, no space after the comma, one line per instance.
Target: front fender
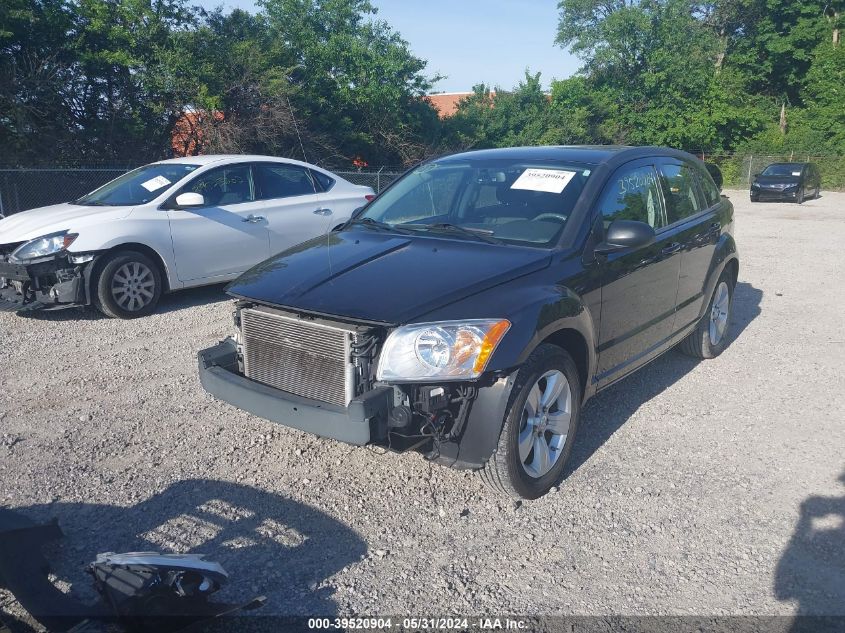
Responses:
[544,314]
[146,226]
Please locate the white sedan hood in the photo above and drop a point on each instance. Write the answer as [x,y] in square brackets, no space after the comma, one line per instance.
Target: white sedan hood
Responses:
[28,225]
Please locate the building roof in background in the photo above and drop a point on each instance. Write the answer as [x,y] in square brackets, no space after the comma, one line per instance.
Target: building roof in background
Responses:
[446,103]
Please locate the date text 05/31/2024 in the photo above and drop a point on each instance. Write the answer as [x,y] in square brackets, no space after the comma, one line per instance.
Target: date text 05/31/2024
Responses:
[416,624]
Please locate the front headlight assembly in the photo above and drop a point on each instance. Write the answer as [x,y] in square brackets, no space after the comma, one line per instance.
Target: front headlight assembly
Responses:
[44,246]
[442,351]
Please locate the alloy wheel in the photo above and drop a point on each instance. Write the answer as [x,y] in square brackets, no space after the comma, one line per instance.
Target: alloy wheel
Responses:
[546,418]
[719,313]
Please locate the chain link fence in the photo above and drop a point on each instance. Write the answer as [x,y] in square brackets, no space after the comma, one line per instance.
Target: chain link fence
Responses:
[29,188]
[378,180]
[738,170]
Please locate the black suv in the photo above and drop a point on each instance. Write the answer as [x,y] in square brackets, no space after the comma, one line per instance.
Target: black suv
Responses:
[787,181]
[471,309]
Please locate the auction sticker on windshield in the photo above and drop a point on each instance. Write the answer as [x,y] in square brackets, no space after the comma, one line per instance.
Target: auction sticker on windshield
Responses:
[155,183]
[548,180]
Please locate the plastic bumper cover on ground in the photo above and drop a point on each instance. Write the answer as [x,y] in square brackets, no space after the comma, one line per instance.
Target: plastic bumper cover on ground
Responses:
[219,376]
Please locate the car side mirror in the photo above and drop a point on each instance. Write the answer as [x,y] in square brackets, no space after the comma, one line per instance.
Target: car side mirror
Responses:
[190,199]
[625,235]
[757,174]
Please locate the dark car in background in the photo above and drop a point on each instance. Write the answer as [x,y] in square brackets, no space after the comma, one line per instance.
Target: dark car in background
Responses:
[472,308]
[787,181]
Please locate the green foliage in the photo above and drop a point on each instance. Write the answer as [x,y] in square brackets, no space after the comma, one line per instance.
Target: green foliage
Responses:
[703,76]
[108,79]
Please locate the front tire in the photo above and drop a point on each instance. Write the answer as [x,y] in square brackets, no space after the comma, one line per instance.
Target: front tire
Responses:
[800,198]
[709,338]
[128,286]
[539,426]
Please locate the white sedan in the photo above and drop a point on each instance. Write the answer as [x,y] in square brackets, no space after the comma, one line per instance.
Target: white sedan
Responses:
[169,225]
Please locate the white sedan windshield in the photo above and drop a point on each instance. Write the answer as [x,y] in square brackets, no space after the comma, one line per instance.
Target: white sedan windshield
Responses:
[138,186]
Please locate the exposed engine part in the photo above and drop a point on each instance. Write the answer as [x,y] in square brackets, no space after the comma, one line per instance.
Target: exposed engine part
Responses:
[363,352]
[400,417]
[431,399]
[466,397]
[438,415]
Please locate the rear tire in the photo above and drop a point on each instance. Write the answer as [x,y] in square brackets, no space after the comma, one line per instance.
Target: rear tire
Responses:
[531,453]
[710,337]
[128,285]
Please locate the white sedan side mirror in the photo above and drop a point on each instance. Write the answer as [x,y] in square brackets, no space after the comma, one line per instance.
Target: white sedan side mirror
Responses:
[190,200]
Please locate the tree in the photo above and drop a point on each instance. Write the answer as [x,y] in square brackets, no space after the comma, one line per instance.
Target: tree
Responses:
[34,67]
[657,72]
[353,75]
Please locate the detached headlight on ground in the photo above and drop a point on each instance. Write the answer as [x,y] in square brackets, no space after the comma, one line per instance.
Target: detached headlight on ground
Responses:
[43,246]
[446,350]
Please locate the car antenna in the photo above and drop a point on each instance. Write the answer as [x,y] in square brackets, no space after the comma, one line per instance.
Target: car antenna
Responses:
[296,127]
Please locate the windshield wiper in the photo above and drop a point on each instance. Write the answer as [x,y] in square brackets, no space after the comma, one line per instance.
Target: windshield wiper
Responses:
[373,224]
[484,235]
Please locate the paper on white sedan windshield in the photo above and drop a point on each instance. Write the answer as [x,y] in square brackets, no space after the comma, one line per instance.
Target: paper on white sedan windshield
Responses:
[548,180]
[155,183]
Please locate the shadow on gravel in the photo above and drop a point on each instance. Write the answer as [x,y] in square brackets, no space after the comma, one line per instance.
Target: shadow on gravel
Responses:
[268,544]
[811,570]
[609,410]
[170,302]
[192,298]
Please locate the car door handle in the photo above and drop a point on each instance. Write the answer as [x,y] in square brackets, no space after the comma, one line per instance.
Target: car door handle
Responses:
[674,247]
[323,211]
[254,219]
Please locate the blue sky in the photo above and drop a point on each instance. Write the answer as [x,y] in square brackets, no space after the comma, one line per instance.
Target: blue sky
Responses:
[472,41]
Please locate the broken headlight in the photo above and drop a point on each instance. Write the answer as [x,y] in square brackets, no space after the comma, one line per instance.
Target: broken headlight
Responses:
[446,350]
[43,246]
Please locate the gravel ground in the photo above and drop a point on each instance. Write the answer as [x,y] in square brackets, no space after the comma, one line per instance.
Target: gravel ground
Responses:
[708,488]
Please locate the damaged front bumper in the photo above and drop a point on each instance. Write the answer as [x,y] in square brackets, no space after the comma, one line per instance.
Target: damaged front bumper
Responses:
[218,367]
[369,418]
[52,282]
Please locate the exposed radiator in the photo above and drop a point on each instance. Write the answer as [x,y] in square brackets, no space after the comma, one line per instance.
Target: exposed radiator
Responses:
[306,358]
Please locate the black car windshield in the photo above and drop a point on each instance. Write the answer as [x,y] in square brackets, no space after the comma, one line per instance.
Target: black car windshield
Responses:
[783,169]
[138,186]
[512,201]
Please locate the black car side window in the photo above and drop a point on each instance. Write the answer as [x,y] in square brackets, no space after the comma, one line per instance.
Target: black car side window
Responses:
[708,188]
[278,180]
[632,194]
[224,185]
[680,190]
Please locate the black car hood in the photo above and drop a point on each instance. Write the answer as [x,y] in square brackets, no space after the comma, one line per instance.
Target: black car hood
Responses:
[382,277]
